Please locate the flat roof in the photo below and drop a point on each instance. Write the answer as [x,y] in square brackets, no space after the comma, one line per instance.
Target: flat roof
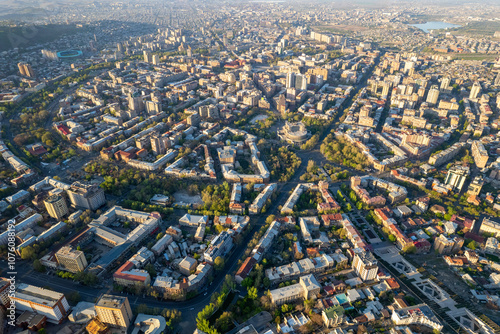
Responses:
[37,295]
[111,301]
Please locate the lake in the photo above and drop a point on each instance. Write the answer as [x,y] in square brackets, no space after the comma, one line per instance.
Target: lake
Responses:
[428,26]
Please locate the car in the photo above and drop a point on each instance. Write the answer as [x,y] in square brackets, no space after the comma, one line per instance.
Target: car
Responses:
[192,308]
[205,293]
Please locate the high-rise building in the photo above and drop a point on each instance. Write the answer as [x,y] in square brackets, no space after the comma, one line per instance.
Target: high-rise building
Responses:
[26,70]
[49,54]
[49,303]
[479,154]
[408,66]
[56,206]
[386,86]
[365,265]
[445,83]
[147,56]
[4,291]
[88,196]
[301,82]
[433,95]
[219,92]
[209,111]
[114,311]
[456,177]
[155,60]
[475,90]
[135,103]
[444,245]
[71,259]
[475,186]
[497,80]
[290,80]
[153,107]
[194,119]
[157,144]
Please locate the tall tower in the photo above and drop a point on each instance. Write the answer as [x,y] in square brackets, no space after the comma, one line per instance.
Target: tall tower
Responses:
[147,56]
[475,90]
[433,95]
[56,206]
[114,311]
[290,80]
[26,70]
[445,83]
[497,80]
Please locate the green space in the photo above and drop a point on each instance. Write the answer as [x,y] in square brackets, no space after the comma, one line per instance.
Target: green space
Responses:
[478,28]
[340,151]
[31,35]
[282,162]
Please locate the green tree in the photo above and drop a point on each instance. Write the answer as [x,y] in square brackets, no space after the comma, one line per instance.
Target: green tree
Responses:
[270,219]
[267,282]
[38,266]
[27,253]
[472,245]
[224,322]
[74,297]
[219,263]
[252,292]
[150,269]
[247,282]
[308,304]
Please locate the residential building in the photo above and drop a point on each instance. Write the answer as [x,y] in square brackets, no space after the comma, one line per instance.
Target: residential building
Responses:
[71,259]
[56,206]
[261,199]
[187,265]
[307,288]
[365,265]
[49,303]
[444,245]
[446,155]
[219,246]
[130,275]
[490,225]
[26,70]
[475,186]
[88,196]
[492,246]
[433,95]
[333,316]
[456,177]
[475,90]
[419,314]
[150,324]
[4,291]
[114,311]
[479,154]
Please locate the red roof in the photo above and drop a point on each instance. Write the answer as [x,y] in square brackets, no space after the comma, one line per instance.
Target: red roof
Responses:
[37,150]
[422,243]
[63,129]
[392,283]
[246,267]
[475,237]
[334,217]
[127,276]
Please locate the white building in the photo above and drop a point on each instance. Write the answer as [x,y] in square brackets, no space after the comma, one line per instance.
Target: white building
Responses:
[49,303]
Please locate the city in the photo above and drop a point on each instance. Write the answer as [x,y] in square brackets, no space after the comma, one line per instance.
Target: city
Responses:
[250,167]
